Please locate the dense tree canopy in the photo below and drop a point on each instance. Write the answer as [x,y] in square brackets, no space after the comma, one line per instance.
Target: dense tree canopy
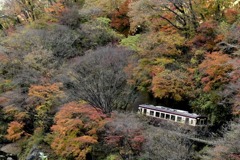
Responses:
[99,78]
[71,70]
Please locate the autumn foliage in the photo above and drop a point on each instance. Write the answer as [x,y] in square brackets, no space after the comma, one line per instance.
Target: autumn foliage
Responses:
[175,85]
[64,64]
[15,131]
[120,19]
[215,69]
[56,8]
[75,130]
[45,92]
[46,97]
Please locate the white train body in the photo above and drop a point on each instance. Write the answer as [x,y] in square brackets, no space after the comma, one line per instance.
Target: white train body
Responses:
[175,115]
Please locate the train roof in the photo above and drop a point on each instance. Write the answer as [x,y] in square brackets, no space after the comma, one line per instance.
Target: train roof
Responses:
[172,111]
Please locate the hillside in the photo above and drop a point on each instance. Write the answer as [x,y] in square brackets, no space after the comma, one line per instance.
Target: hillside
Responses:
[73,72]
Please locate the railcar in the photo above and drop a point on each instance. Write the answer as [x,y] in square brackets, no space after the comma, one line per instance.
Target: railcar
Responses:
[178,116]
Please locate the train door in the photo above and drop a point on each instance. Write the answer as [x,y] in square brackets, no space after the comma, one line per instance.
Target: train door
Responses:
[187,121]
[144,111]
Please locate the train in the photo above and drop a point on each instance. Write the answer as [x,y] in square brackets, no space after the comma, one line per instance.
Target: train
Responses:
[175,115]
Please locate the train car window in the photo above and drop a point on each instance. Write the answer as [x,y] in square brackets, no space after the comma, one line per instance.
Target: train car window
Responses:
[162,115]
[173,117]
[191,122]
[151,113]
[157,114]
[179,119]
[167,116]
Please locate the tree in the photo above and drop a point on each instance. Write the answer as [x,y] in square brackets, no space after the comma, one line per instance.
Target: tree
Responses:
[75,130]
[15,131]
[71,17]
[102,7]
[165,144]
[99,78]
[182,15]
[215,69]
[172,84]
[28,10]
[207,36]
[95,33]
[120,20]
[46,97]
[227,147]
[122,135]
[214,97]
[177,14]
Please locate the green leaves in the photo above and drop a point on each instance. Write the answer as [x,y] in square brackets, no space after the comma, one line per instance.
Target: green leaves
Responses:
[131,42]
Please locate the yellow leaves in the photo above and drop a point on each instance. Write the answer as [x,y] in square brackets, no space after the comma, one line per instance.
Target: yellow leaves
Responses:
[160,43]
[15,131]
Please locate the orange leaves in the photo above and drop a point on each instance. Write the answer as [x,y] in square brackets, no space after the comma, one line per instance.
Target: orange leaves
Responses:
[48,95]
[214,69]
[75,110]
[75,129]
[57,8]
[174,85]
[15,131]
[120,20]
[67,126]
[86,140]
[46,92]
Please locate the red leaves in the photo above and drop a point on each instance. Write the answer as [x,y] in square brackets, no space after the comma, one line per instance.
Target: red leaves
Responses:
[120,20]
[137,142]
[206,36]
[124,134]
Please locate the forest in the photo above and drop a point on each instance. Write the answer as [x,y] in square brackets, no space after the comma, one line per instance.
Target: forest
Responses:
[73,72]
